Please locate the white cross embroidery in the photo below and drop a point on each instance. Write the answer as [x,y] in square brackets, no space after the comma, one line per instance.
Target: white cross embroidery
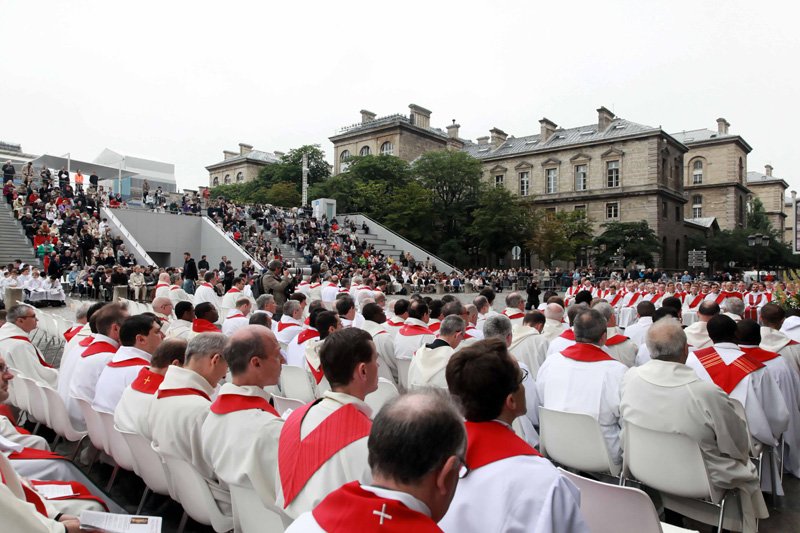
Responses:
[382,514]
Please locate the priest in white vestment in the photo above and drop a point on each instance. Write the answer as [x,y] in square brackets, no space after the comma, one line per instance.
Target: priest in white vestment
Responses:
[237,317]
[375,325]
[774,340]
[554,321]
[666,395]
[515,308]
[636,332]
[528,344]
[205,291]
[291,323]
[617,345]
[19,352]
[429,361]
[697,333]
[181,327]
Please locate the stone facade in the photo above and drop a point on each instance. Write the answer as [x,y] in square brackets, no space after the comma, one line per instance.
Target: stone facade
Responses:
[241,166]
[771,191]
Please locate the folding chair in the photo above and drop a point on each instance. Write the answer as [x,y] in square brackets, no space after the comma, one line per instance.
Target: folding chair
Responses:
[402,372]
[60,421]
[385,392]
[147,465]
[252,515]
[575,441]
[295,383]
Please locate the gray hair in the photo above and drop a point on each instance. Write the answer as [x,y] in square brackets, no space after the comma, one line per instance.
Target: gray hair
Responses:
[553,312]
[263,300]
[513,299]
[82,312]
[605,309]
[666,340]
[451,324]
[497,326]
[574,310]
[175,278]
[480,302]
[205,345]
[290,307]
[734,305]
[589,326]
[15,312]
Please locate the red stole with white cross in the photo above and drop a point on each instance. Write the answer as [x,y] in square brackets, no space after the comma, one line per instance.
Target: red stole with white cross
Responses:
[488,442]
[351,508]
[299,459]
[147,382]
[726,377]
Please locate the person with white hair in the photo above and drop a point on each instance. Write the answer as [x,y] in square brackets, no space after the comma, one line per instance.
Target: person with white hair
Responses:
[734,308]
[163,286]
[554,321]
[20,352]
[291,322]
[515,308]
[617,345]
[176,292]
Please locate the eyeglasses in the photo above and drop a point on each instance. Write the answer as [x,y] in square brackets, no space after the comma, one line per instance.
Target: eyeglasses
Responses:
[525,373]
[31,316]
[464,470]
[4,369]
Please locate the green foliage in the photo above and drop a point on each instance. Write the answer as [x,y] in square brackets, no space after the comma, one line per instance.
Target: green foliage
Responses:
[283,195]
[557,236]
[757,220]
[637,240]
[499,222]
[731,245]
[290,168]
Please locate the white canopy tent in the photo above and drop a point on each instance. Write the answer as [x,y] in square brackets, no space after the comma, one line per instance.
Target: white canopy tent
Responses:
[104,172]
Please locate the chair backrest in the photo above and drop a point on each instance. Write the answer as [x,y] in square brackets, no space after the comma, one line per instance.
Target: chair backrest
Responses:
[610,508]
[146,462]
[295,383]
[59,416]
[252,515]
[385,392]
[402,372]
[120,451]
[284,404]
[21,399]
[97,433]
[37,407]
[195,496]
[574,440]
[668,462]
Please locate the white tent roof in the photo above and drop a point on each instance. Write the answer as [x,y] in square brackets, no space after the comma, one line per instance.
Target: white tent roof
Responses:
[86,168]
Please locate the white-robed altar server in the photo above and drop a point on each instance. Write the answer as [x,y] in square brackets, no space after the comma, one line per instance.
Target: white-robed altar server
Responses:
[181,327]
[399,313]
[430,360]
[414,333]
[205,291]
[176,292]
[510,487]
[236,292]
[375,325]
[515,308]
[636,331]
[139,337]
[163,286]
[291,323]
[296,349]
[18,350]
[567,337]
[775,340]
[240,435]
[666,395]
[585,379]
[697,333]
[237,317]
[617,345]
[324,444]
[554,321]
[413,482]
[528,344]
[181,405]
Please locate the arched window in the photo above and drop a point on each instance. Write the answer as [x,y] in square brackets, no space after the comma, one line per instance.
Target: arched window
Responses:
[697,206]
[697,172]
[343,160]
[215,181]
[387,148]
[364,151]
[227,179]
[239,177]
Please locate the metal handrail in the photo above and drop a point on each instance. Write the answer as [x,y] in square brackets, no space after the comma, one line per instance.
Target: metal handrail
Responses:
[120,227]
[253,260]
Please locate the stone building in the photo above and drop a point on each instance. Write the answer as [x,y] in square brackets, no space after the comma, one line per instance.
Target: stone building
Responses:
[771,190]
[790,219]
[714,175]
[241,166]
[406,137]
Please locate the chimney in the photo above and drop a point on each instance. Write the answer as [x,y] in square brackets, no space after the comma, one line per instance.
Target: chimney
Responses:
[227,154]
[245,149]
[419,116]
[604,118]
[278,154]
[548,129]
[452,130]
[722,126]
[482,141]
[498,137]
[367,116]
[768,169]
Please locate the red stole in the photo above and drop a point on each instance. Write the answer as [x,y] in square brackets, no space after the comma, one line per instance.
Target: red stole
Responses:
[161,285]
[617,297]
[696,301]
[633,299]
[233,290]
[38,355]
[351,508]
[726,377]
[317,373]
[283,325]
[488,442]
[71,332]
[135,361]
[185,391]
[201,325]
[410,330]
[514,316]
[86,341]
[147,381]
[99,347]
[230,403]
[586,353]
[616,339]
[434,327]
[656,297]
[299,459]
[237,315]
[307,334]
[759,354]
[33,453]
[395,324]
[468,332]
[721,298]
[568,334]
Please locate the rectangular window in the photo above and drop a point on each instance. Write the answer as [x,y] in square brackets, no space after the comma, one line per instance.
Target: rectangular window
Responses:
[678,213]
[612,210]
[524,183]
[499,179]
[697,206]
[612,173]
[550,212]
[664,210]
[580,177]
[551,180]
[581,209]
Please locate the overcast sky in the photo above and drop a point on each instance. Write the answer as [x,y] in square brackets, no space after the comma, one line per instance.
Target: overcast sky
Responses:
[182,81]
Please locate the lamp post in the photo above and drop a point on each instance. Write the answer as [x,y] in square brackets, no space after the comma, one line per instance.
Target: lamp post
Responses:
[758,240]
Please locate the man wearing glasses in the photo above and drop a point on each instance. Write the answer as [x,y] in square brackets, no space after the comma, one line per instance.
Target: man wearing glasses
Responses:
[18,350]
[508,486]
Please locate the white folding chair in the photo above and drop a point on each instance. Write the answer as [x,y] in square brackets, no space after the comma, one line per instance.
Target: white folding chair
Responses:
[59,419]
[673,464]
[284,404]
[20,394]
[575,441]
[295,383]
[386,391]
[94,426]
[252,515]
[36,406]
[402,372]
[633,510]
[148,465]
[195,495]
[120,451]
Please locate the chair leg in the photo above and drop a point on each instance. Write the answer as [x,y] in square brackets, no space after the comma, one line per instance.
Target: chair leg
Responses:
[722,512]
[773,481]
[55,441]
[36,428]
[182,525]
[77,449]
[113,477]
[145,494]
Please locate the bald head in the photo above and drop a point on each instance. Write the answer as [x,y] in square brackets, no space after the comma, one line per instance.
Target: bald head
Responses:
[554,311]
[253,356]
[667,341]
[162,305]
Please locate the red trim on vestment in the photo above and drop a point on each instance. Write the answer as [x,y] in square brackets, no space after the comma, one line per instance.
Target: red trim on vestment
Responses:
[283,325]
[586,353]
[307,334]
[79,491]
[185,391]
[568,334]
[759,354]
[147,381]
[201,325]
[71,332]
[135,361]
[38,355]
[231,403]
[489,442]
[86,341]
[411,330]
[726,377]
[616,339]
[99,347]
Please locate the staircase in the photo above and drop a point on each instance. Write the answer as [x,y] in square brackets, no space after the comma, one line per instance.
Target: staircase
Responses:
[13,242]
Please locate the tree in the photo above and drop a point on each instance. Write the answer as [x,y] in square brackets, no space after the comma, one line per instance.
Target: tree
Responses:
[637,240]
[557,236]
[290,168]
[283,195]
[757,220]
[499,222]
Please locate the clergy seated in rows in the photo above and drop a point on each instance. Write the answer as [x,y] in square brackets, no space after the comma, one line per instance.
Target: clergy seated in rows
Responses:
[176,293]
[94,358]
[774,340]
[204,293]
[585,379]
[163,286]
[327,322]
[133,409]
[139,337]
[748,335]
[162,308]
[205,317]
[618,346]
[240,435]
[296,349]
[509,486]
[472,333]
[375,325]
[231,298]
[181,327]
[665,311]
[415,451]
[20,352]
[237,317]
[697,333]
[181,405]
[554,321]
[414,333]
[324,444]
[567,336]
[345,306]
[636,332]
[291,322]
[81,320]
[734,308]
[435,315]
[744,379]
[667,395]
[430,361]
[515,308]
[528,344]
[399,310]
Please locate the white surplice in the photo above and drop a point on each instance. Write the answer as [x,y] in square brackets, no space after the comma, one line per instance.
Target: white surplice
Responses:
[384,344]
[553,328]
[529,347]
[179,329]
[774,340]
[114,380]
[87,371]
[697,335]
[637,331]
[21,355]
[428,366]
[406,344]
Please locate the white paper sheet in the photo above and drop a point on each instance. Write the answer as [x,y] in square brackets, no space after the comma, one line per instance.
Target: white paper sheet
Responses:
[51,492]
[120,523]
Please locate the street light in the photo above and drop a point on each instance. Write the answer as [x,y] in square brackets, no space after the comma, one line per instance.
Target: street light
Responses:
[759,240]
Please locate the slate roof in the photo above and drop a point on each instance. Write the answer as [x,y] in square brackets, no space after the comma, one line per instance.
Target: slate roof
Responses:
[690,137]
[706,222]
[255,156]
[759,177]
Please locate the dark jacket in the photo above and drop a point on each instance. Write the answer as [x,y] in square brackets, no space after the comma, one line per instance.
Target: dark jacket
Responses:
[190,269]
